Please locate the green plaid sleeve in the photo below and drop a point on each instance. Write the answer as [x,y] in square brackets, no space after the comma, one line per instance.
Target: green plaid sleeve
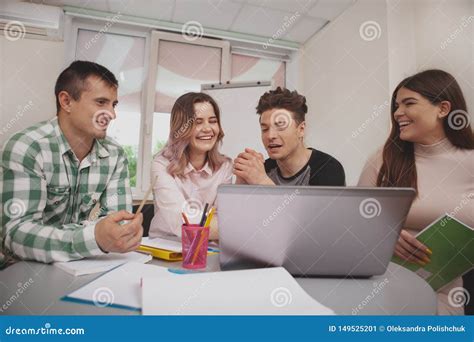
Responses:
[117,195]
[24,192]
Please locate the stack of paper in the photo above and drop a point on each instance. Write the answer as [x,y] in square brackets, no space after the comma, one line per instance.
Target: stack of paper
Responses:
[162,249]
[120,287]
[267,291]
[170,245]
[102,263]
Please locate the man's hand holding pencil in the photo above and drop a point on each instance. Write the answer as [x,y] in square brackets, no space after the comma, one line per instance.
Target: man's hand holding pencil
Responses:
[122,231]
[111,236]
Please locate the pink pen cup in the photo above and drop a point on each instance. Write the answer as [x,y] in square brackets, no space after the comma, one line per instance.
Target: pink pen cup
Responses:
[194,239]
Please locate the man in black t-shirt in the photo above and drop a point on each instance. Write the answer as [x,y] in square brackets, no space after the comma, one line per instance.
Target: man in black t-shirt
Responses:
[282,122]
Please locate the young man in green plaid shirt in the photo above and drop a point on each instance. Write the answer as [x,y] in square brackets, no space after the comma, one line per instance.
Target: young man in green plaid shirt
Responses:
[53,174]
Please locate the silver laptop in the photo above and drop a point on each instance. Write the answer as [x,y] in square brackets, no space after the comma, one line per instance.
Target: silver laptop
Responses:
[311,231]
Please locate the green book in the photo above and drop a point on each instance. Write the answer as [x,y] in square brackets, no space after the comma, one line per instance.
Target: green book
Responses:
[452,244]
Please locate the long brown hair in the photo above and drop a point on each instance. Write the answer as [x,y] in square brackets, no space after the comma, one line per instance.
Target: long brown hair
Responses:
[181,126]
[398,167]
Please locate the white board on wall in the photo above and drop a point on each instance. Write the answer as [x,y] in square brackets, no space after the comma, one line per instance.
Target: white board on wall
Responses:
[239,118]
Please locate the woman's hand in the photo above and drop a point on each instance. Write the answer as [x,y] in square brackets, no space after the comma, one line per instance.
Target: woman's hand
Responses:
[410,249]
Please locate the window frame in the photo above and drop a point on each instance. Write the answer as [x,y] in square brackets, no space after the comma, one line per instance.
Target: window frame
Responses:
[152,38]
[70,38]
[156,37]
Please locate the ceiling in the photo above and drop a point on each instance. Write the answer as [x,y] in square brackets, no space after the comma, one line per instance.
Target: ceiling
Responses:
[291,20]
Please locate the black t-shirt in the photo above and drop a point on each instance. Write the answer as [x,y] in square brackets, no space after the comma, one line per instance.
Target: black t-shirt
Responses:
[321,169]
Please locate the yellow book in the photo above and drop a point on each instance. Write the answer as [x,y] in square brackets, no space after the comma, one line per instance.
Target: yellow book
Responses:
[161,253]
[164,249]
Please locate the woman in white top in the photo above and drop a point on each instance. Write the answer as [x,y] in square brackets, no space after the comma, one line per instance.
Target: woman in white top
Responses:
[431,149]
[190,167]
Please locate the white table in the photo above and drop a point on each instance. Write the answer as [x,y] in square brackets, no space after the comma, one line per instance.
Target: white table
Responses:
[397,292]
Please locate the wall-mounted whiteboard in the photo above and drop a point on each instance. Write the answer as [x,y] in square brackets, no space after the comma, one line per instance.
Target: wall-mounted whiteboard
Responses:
[239,117]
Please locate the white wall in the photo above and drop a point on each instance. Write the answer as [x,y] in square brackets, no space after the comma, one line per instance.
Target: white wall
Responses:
[438,22]
[348,81]
[28,72]
[401,40]
[433,34]
[346,84]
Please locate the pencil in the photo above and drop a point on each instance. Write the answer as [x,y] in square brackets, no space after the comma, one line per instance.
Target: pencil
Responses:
[139,210]
[185,218]
[201,240]
[204,215]
[209,217]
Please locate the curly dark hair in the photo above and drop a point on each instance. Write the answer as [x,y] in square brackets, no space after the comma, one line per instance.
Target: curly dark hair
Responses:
[286,99]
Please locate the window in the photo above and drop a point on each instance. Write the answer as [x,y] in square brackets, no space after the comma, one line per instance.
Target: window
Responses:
[249,68]
[125,56]
[154,68]
[177,73]
[173,72]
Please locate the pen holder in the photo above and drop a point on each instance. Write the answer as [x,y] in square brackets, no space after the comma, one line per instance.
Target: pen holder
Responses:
[194,239]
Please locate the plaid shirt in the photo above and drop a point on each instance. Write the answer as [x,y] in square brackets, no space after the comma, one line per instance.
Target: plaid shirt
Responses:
[48,195]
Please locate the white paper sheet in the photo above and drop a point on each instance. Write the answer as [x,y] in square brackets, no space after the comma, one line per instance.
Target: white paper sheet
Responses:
[269,291]
[101,263]
[120,286]
[160,243]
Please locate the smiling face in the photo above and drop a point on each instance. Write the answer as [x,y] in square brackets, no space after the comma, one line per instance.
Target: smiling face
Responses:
[281,134]
[92,112]
[205,130]
[419,120]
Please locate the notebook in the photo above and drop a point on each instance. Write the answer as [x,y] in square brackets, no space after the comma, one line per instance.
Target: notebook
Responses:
[170,245]
[265,291]
[452,244]
[120,287]
[101,263]
[169,250]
